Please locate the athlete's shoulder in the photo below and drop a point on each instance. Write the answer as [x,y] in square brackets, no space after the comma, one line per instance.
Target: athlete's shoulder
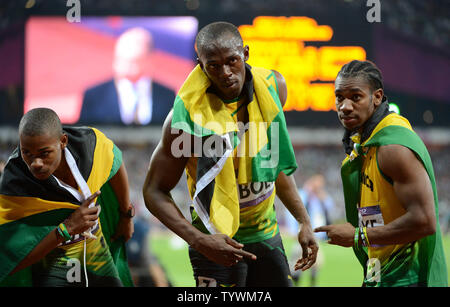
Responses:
[393,119]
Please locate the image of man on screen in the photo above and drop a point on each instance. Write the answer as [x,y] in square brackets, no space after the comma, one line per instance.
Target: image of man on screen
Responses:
[131,97]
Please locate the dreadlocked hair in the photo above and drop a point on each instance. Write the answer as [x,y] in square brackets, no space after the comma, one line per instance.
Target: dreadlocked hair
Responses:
[367,69]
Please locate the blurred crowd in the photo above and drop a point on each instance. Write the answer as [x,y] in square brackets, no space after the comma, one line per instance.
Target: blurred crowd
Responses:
[429,20]
[312,160]
[318,180]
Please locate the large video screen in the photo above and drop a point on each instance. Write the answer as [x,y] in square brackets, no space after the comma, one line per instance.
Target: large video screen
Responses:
[107,70]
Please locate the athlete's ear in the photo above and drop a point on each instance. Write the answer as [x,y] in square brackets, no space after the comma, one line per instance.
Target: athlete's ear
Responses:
[378,96]
[246,53]
[64,140]
[199,63]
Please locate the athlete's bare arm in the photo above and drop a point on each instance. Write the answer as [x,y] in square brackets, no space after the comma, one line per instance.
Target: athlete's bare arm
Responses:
[282,87]
[163,174]
[412,187]
[288,193]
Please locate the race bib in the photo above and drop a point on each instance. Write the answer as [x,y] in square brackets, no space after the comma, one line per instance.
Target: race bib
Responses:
[253,193]
[370,216]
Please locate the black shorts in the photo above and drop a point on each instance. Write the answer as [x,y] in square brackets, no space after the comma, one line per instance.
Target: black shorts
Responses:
[271,268]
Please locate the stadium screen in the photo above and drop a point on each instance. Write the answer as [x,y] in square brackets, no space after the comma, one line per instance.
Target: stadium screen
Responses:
[82,70]
[78,69]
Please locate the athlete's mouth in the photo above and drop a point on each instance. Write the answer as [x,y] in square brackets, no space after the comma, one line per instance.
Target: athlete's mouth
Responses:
[39,174]
[229,84]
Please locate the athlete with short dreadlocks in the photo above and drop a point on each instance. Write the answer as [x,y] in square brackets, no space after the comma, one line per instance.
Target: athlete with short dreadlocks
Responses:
[389,188]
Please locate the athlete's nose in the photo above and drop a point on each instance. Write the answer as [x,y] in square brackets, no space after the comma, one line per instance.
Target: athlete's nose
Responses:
[346,106]
[226,71]
[37,164]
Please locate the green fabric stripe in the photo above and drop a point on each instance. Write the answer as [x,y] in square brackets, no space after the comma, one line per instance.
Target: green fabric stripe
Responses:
[231,100]
[281,158]
[240,107]
[117,161]
[109,217]
[272,248]
[20,237]
[350,174]
[274,93]
[182,120]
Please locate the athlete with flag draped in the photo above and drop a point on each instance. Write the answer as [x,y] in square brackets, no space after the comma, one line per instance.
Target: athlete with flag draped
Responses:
[389,188]
[227,131]
[52,231]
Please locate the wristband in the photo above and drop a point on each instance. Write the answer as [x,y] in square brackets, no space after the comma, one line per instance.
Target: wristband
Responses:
[63,232]
[363,237]
[356,238]
[365,234]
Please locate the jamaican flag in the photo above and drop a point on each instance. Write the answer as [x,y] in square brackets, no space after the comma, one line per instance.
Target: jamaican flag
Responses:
[198,111]
[30,209]
[394,129]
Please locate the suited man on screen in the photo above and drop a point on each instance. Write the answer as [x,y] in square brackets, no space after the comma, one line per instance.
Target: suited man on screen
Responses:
[131,97]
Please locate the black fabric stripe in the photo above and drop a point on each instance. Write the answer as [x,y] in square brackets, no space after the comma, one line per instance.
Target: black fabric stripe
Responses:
[17,179]
[82,142]
[204,164]
[208,159]
[206,195]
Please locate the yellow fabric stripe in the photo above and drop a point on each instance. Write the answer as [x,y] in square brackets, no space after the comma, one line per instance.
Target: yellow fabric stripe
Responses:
[17,207]
[392,119]
[102,163]
[224,203]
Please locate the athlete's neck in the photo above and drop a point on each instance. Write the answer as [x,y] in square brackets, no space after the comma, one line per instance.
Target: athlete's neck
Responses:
[64,173]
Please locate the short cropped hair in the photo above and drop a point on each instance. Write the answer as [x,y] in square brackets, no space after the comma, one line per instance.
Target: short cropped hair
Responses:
[213,32]
[367,69]
[40,121]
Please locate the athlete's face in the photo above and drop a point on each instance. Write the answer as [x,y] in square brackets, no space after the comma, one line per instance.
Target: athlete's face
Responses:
[355,101]
[223,61]
[42,153]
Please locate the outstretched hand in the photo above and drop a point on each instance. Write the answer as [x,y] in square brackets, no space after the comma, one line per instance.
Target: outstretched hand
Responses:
[309,248]
[221,249]
[339,234]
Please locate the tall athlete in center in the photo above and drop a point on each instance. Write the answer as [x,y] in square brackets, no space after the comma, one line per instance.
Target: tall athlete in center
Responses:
[234,112]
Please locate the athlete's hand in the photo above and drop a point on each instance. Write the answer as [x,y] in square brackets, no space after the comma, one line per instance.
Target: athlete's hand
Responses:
[125,229]
[339,234]
[221,249]
[309,248]
[83,217]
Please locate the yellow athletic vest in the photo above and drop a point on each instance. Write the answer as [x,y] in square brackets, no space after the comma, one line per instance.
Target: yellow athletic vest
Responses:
[379,204]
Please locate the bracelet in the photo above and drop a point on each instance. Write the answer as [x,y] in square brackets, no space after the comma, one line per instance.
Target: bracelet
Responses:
[365,234]
[356,238]
[62,230]
[363,237]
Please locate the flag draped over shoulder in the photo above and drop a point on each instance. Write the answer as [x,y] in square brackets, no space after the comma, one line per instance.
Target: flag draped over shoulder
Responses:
[201,113]
[30,209]
[395,129]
